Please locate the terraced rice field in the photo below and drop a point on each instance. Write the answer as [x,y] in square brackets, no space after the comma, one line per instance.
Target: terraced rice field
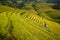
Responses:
[17,24]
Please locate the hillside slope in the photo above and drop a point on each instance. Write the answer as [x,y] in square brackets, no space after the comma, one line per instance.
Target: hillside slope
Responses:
[17,24]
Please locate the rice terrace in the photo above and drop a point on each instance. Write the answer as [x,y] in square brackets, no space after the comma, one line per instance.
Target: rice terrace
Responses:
[29,19]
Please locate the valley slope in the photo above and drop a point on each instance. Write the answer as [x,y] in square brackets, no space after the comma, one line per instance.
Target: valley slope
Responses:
[29,22]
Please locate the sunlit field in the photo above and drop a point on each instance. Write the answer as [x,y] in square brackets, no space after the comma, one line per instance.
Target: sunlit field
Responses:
[32,22]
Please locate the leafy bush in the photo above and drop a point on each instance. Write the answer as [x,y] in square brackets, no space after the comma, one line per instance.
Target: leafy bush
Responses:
[57,7]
